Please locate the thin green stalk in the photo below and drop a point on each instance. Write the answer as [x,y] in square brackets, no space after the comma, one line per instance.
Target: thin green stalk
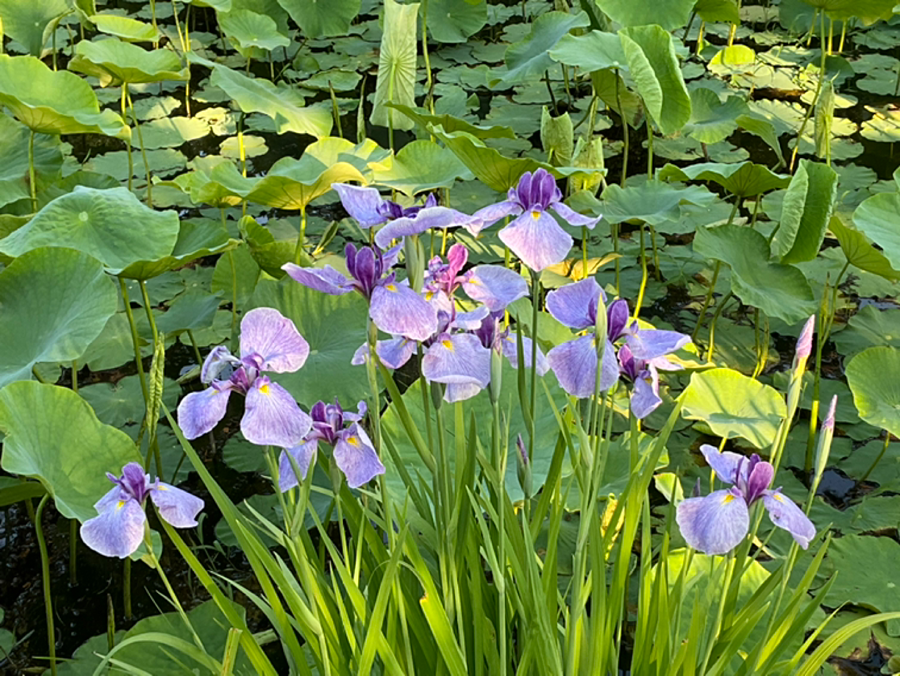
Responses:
[149,310]
[197,354]
[887,442]
[712,325]
[148,543]
[153,21]
[301,236]
[655,250]
[126,589]
[31,179]
[45,579]
[135,341]
[128,142]
[643,287]
[625,140]
[429,82]
[649,150]
[500,583]
[137,126]
[73,551]
[234,282]
[818,93]
[535,300]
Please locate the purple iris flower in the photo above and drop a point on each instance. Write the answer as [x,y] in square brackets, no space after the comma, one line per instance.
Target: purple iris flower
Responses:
[354,453]
[368,207]
[493,285]
[118,530]
[535,236]
[393,306]
[717,523]
[639,359]
[269,342]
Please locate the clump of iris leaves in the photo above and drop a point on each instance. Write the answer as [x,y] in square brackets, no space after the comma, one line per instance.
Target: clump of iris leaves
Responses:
[730,169]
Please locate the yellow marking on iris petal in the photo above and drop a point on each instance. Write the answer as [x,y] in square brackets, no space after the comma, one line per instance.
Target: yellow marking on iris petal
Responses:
[535,214]
[120,504]
[391,287]
[264,389]
[778,497]
[353,441]
[728,498]
[429,295]
[448,344]
[162,487]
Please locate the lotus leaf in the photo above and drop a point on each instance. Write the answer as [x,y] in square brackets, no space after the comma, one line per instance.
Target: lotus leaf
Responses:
[530,57]
[122,403]
[592,51]
[877,218]
[653,202]
[713,120]
[189,311]
[805,212]
[867,11]
[55,303]
[31,22]
[170,132]
[322,20]
[734,405]
[450,123]
[125,28]
[115,62]
[31,91]
[53,435]
[744,180]
[421,166]
[14,150]
[718,10]
[91,220]
[251,30]
[396,66]
[778,290]
[869,327]
[455,20]
[874,378]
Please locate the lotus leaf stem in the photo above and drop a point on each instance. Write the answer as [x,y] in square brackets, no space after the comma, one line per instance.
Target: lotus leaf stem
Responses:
[640,299]
[31,179]
[712,325]
[45,578]
[624,117]
[135,340]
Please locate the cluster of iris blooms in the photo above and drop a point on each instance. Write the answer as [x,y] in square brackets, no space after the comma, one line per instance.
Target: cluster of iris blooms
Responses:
[457,353]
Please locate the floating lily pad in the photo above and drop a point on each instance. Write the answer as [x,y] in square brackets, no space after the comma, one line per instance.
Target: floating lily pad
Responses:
[114,62]
[31,92]
[55,303]
[874,378]
[870,327]
[91,221]
[53,435]
[734,405]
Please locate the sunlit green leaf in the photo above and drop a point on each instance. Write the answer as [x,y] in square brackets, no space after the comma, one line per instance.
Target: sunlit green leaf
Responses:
[874,378]
[397,65]
[805,212]
[421,166]
[530,57]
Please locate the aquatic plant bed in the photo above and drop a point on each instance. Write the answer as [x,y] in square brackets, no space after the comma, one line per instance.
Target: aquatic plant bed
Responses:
[449,337]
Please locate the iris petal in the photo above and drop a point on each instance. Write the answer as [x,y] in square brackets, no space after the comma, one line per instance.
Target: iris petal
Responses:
[199,412]
[570,304]
[268,333]
[327,279]
[361,203]
[176,506]
[272,417]
[536,238]
[303,455]
[356,457]
[397,309]
[715,524]
[116,531]
[787,515]
[495,286]
[431,217]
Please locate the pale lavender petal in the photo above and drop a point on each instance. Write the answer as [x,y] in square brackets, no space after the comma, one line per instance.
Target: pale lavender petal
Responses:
[460,358]
[431,217]
[804,342]
[271,335]
[218,360]
[199,412]
[646,344]
[361,203]
[491,214]
[390,257]
[471,321]
[715,524]
[461,391]
[645,397]
[361,356]
[118,530]
[571,304]
[457,255]
[303,455]
[396,308]
[536,238]
[176,506]
[326,280]
[724,464]
[573,217]
[787,515]
[272,417]
[575,366]
[356,457]
[395,352]
[495,286]
[511,352]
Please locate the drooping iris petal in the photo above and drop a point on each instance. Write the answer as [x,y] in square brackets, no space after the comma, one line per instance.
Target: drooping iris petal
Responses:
[361,203]
[199,412]
[645,397]
[575,366]
[118,530]
[570,304]
[303,455]
[511,352]
[471,321]
[395,352]
[327,279]
[646,344]
[787,515]
[495,286]
[572,217]
[218,360]
[536,238]
[396,308]
[460,358]
[430,217]
[725,464]
[271,335]
[356,457]
[272,417]
[460,391]
[176,506]
[492,213]
[714,524]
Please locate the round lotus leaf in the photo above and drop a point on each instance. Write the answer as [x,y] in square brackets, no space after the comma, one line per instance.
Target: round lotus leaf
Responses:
[874,378]
[877,218]
[31,23]
[252,31]
[196,239]
[31,91]
[125,28]
[745,179]
[421,166]
[734,405]
[55,303]
[91,221]
[53,435]
[115,62]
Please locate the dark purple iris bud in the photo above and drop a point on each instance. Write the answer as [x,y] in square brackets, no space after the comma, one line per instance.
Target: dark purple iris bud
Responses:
[353,451]
[617,316]
[535,236]
[717,523]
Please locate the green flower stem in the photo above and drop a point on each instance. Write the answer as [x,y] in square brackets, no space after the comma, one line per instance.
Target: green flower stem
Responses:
[301,237]
[128,142]
[137,126]
[73,550]
[31,180]
[135,341]
[649,150]
[625,140]
[45,578]
[712,325]
[126,591]
[234,283]
[148,543]
[535,317]
[429,82]
[149,311]
[887,442]
[498,457]
[640,299]
[655,250]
